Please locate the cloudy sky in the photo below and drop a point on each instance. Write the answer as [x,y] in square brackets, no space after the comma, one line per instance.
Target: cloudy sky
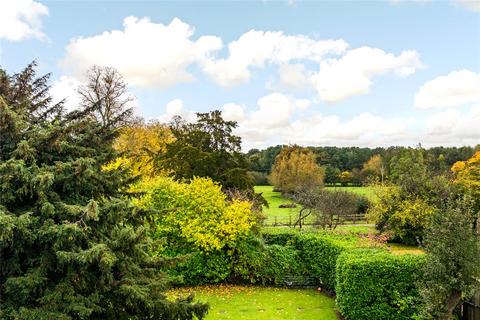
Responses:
[345,73]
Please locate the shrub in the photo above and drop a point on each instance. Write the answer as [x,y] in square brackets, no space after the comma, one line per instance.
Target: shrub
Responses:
[260,178]
[202,268]
[320,253]
[372,284]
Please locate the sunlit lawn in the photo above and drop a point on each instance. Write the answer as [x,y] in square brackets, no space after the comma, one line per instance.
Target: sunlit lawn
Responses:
[275,199]
[262,303]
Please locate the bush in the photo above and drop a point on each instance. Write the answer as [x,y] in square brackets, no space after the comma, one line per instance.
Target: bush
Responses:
[372,284]
[260,178]
[320,253]
[317,251]
[203,268]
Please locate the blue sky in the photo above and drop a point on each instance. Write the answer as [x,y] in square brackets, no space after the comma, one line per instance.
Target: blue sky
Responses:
[356,73]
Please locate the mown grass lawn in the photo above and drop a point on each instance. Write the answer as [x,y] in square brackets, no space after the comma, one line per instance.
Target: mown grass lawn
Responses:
[262,303]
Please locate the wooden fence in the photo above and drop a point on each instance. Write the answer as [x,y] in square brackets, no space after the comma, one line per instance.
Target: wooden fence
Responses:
[289,221]
[471,309]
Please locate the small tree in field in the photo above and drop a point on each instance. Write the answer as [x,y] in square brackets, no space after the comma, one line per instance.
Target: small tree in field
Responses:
[452,271]
[295,168]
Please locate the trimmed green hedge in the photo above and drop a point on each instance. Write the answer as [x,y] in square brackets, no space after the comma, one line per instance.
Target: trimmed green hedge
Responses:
[318,251]
[377,285]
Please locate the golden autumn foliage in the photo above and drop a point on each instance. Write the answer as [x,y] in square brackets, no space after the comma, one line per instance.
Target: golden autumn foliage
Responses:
[467,173]
[197,212]
[139,144]
[295,167]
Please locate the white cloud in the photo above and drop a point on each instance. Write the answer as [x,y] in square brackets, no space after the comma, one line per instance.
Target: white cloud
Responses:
[452,127]
[176,108]
[233,112]
[473,5]
[352,74]
[21,19]
[455,89]
[147,54]
[258,48]
[293,77]
[66,88]
[276,110]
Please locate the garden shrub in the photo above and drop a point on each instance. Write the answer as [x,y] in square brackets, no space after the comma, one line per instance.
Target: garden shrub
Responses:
[202,267]
[249,261]
[320,253]
[373,284]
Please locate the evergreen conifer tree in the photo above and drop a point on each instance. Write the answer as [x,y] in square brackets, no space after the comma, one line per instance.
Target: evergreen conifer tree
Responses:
[72,246]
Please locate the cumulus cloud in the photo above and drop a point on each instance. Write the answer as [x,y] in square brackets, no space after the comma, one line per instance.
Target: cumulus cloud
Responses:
[275,110]
[147,54]
[352,74]
[233,112]
[65,88]
[257,48]
[21,19]
[452,127]
[455,89]
[176,108]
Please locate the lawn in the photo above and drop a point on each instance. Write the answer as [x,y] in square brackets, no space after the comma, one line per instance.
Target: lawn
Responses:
[262,303]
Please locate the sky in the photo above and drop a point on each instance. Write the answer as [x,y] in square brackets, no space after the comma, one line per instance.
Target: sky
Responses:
[319,73]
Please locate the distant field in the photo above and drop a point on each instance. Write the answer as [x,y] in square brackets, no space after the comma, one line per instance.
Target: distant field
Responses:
[275,199]
[261,303]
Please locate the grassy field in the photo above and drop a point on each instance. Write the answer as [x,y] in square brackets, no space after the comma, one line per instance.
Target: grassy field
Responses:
[262,303]
[275,199]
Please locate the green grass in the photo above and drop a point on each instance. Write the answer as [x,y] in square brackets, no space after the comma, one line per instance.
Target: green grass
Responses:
[275,199]
[262,303]
[369,192]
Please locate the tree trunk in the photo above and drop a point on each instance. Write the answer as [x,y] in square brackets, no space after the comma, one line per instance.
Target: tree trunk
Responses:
[451,303]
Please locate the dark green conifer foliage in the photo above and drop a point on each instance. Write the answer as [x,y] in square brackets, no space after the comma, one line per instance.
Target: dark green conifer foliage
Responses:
[72,246]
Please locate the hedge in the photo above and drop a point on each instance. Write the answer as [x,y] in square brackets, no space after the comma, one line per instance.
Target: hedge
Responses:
[318,251]
[377,285]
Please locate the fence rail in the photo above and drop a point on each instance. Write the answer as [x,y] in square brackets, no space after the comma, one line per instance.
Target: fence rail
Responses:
[289,221]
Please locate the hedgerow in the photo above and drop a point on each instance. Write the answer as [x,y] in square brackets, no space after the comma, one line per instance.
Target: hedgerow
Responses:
[373,284]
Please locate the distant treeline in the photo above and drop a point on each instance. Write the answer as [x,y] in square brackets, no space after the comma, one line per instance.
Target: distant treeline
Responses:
[336,160]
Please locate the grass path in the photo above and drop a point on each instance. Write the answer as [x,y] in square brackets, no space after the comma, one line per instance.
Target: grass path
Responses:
[262,303]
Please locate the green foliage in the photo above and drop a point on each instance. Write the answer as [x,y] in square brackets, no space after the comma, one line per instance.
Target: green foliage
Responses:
[202,268]
[376,285]
[196,213]
[72,246]
[206,148]
[255,262]
[452,271]
[320,254]
[317,251]
[260,178]
[402,215]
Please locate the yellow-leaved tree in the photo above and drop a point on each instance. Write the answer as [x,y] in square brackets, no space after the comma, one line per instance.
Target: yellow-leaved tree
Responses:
[295,168]
[139,144]
[197,213]
[467,175]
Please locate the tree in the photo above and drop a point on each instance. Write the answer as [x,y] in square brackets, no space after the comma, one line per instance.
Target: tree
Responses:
[72,245]
[196,214]
[105,96]
[206,148]
[408,169]
[295,168]
[138,144]
[452,271]
[345,177]
[330,208]
[374,168]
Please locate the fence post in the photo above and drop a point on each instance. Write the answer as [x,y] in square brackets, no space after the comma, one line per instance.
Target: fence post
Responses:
[275,224]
